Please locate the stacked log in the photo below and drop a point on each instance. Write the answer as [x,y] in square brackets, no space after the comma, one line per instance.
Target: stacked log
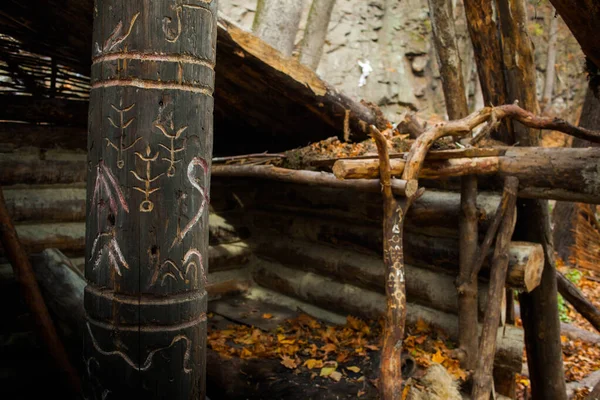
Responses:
[322,246]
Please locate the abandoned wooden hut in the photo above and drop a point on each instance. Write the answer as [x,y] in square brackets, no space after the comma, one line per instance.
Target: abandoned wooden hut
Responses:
[286,236]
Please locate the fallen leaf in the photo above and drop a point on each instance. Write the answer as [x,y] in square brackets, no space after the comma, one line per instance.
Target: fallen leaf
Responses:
[329,368]
[421,326]
[312,363]
[288,362]
[267,316]
[354,369]
[360,393]
[438,357]
[336,376]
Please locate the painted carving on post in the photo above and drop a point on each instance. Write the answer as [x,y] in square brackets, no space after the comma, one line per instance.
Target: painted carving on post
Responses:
[149,358]
[200,162]
[116,38]
[112,250]
[107,192]
[394,252]
[122,126]
[146,205]
[191,263]
[172,151]
[172,35]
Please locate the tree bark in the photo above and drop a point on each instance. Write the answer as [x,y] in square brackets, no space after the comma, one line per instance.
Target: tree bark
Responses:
[582,18]
[316,32]
[483,29]
[149,152]
[577,299]
[276,22]
[551,61]
[482,379]
[31,293]
[444,35]
[539,308]
[564,214]
[390,366]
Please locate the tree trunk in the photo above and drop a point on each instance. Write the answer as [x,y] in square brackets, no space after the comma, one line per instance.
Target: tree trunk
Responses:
[565,213]
[551,62]
[316,32]
[483,29]
[444,35]
[149,152]
[582,18]
[539,308]
[276,22]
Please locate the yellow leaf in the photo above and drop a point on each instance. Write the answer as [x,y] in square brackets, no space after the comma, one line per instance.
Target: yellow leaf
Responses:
[329,368]
[438,357]
[353,369]
[289,362]
[267,316]
[245,353]
[336,376]
[283,340]
[405,392]
[312,363]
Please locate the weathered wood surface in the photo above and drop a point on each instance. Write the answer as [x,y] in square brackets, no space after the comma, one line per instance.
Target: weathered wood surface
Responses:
[32,296]
[15,136]
[546,173]
[419,250]
[47,204]
[282,103]
[149,155]
[399,187]
[33,109]
[582,18]
[348,299]
[482,378]
[428,287]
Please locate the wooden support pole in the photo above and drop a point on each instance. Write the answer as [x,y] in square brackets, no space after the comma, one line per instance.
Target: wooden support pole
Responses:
[390,366]
[149,152]
[33,297]
[399,187]
[482,379]
[444,34]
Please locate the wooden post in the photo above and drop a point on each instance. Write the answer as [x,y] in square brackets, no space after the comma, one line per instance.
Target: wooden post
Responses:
[444,34]
[149,152]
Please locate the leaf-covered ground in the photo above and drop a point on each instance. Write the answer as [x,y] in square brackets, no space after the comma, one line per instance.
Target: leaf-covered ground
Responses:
[580,358]
[328,352]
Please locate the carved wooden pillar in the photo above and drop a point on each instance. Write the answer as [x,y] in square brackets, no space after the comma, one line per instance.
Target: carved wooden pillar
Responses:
[149,152]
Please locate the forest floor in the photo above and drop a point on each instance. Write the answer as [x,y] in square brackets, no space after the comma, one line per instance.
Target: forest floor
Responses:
[580,357]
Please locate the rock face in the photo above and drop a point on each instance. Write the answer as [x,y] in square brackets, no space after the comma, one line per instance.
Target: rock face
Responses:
[389,44]
[391,37]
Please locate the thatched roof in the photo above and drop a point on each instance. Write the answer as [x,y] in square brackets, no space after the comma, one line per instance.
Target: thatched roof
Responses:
[263,101]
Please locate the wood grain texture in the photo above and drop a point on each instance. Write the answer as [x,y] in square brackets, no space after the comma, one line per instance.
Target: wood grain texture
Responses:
[149,154]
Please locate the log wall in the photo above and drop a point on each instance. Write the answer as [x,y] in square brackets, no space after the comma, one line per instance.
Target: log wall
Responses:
[286,238]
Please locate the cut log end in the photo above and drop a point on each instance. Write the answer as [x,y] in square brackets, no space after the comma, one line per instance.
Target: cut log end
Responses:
[531,256]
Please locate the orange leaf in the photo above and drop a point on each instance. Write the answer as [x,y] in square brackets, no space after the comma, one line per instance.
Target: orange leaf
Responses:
[312,363]
[267,316]
[422,326]
[289,362]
